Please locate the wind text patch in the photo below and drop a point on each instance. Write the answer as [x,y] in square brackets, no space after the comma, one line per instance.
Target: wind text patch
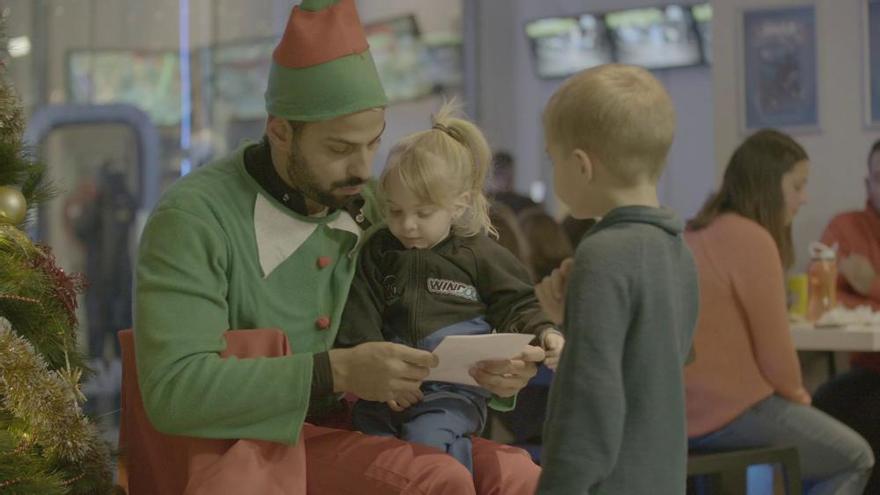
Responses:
[452,288]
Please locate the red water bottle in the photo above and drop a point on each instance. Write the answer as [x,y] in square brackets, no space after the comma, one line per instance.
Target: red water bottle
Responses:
[822,274]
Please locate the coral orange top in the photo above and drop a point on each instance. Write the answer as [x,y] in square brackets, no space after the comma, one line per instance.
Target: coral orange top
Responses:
[743,346]
[858,232]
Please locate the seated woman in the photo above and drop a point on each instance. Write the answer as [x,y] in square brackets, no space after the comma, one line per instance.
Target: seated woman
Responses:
[744,388]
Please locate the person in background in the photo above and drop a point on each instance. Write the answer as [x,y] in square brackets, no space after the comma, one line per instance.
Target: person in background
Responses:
[549,245]
[510,233]
[501,188]
[615,420]
[576,228]
[854,397]
[546,247]
[744,389]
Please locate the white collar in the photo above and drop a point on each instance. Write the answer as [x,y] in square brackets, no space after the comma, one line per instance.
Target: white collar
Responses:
[279,234]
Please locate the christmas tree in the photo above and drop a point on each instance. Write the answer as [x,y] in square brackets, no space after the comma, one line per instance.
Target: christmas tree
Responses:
[47,445]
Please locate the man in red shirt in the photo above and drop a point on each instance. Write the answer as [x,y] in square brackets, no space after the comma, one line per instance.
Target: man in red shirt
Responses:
[854,397]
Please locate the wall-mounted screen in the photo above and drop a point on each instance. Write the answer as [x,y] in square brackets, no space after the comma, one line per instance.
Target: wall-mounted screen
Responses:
[397,50]
[241,75]
[655,38]
[148,80]
[564,45]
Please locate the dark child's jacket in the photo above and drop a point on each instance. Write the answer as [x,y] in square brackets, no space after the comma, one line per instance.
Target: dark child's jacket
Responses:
[404,295]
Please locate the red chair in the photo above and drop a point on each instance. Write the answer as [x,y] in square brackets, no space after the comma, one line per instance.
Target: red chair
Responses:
[151,462]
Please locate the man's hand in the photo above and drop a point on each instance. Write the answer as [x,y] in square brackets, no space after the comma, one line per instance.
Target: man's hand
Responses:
[506,378]
[552,342]
[551,291]
[381,371]
[858,272]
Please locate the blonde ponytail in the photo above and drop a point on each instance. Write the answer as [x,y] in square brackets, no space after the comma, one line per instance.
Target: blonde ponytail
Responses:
[441,164]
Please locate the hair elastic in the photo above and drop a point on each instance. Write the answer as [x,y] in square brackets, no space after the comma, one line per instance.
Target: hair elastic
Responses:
[453,133]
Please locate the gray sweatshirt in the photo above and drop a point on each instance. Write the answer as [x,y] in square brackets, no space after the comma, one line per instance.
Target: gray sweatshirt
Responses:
[616,416]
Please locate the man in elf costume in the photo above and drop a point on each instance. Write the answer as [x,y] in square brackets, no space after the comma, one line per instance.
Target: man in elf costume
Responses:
[267,237]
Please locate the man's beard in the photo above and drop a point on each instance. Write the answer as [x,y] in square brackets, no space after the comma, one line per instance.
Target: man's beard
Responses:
[303,177]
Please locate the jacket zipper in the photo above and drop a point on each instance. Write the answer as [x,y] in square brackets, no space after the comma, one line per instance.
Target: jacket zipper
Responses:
[417,291]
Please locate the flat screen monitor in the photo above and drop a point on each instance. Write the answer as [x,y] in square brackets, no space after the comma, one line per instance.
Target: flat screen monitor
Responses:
[240,76]
[562,46]
[148,80]
[703,18]
[398,52]
[655,38]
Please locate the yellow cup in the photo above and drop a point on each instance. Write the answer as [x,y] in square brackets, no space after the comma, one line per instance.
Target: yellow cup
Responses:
[798,288]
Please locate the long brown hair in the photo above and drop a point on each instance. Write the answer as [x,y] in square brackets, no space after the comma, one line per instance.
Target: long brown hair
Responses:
[752,187]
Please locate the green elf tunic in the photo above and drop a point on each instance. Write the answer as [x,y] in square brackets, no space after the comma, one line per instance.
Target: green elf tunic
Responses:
[221,253]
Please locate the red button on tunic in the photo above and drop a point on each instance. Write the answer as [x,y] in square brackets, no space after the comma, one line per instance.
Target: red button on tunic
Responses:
[324,261]
[323,322]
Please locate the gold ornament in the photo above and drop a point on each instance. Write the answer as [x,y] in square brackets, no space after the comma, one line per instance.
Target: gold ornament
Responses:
[13,206]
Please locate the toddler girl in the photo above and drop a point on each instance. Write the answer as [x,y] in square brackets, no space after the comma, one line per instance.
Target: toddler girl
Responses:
[433,271]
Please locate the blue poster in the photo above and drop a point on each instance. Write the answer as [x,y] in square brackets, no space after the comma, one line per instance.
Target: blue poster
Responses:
[780,68]
[874,58]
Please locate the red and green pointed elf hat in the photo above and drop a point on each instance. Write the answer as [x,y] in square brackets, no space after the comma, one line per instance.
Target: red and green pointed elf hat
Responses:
[322,67]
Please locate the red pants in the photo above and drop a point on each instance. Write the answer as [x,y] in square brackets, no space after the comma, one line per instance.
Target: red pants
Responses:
[326,461]
[346,462]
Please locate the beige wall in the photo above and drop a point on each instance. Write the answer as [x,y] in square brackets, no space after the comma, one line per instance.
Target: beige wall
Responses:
[153,25]
[838,150]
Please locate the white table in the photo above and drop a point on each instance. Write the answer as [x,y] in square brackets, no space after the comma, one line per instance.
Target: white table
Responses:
[845,339]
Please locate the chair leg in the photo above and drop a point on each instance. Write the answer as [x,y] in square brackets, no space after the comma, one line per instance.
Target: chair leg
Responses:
[734,482]
[726,473]
[792,469]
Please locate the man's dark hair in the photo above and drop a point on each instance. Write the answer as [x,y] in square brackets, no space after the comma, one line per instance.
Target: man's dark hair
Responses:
[295,126]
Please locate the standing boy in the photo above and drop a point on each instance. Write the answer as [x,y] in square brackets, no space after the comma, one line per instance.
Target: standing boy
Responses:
[616,417]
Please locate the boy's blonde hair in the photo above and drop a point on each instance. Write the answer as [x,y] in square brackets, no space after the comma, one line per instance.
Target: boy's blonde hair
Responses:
[443,163]
[619,115]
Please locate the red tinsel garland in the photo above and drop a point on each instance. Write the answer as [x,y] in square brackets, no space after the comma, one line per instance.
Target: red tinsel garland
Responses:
[64,286]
